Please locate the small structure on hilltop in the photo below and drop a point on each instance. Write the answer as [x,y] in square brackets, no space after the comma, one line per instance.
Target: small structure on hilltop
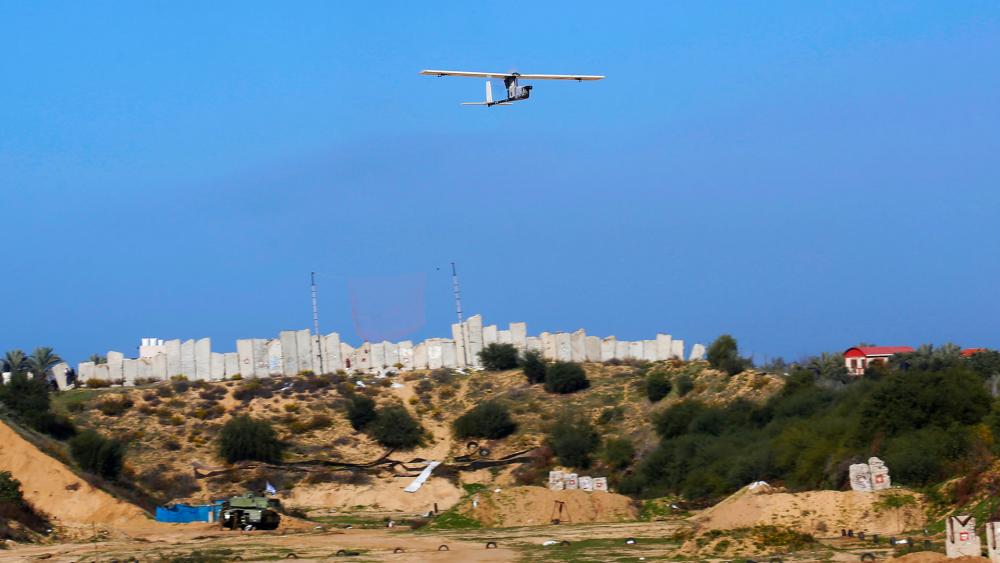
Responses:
[858,358]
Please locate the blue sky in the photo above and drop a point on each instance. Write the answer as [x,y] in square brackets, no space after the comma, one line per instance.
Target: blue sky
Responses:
[802,175]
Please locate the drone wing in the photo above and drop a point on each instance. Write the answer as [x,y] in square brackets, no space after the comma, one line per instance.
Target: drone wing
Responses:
[509,74]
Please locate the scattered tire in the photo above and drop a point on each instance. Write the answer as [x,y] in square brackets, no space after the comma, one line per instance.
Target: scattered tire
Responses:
[564,543]
[491,545]
[630,541]
[237,558]
[291,556]
[398,550]
[345,553]
[443,547]
[868,557]
[775,560]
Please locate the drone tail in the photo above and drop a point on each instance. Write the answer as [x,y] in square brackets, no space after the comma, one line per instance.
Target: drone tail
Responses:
[489,97]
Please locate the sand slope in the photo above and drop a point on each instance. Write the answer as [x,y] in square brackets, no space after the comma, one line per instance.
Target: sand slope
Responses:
[813,512]
[52,488]
[535,506]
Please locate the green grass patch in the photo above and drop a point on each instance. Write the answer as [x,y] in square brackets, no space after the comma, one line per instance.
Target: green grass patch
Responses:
[452,520]
[473,488]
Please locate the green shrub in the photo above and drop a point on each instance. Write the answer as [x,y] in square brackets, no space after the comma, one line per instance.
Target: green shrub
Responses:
[684,384]
[245,438]
[360,411]
[10,488]
[58,426]
[395,428]
[618,453]
[565,377]
[114,406]
[95,383]
[723,354]
[573,439]
[534,366]
[657,386]
[486,420]
[98,455]
[498,357]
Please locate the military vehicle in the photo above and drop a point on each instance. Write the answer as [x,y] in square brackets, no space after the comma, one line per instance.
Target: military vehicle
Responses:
[249,512]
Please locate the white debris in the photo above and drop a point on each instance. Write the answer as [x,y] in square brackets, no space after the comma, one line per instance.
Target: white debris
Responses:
[424,475]
[549,542]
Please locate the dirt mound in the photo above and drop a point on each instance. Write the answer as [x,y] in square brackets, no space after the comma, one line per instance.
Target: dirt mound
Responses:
[385,494]
[932,557]
[535,506]
[52,488]
[814,512]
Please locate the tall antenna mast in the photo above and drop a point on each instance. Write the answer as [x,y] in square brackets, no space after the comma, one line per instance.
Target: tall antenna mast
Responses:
[458,311]
[316,337]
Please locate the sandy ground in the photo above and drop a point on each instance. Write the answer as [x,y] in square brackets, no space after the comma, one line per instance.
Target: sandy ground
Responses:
[814,512]
[535,506]
[383,494]
[931,557]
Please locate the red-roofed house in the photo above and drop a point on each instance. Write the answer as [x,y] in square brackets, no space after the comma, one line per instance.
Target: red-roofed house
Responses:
[860,357]
[972,351]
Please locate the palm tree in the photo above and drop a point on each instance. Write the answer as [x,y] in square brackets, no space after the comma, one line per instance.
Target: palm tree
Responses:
[14,361]
[41,361]
[98,359]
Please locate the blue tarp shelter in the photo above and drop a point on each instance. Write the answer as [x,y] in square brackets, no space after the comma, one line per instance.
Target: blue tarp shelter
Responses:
[183,513]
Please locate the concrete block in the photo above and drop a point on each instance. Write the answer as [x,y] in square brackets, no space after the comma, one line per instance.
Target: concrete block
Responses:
[621,350]
[458,335]
[592,345]
[635,350]
[578,346]
[677,349]
[332,360]
[504,337]
[187,359]
[363,356]
[84,371]
[172,348]
[304,350]
[59,374]
[489,335]
[448,354]
[549,346]
[586,483]
[101,372]
[145,369]
[663,347]
[534,343]
[880,474]
[232,360]
[556,482]
[961,538]
[378,356]
[289,352]
[571,481]
[391,354]
[697,352]
[600,484]
[993,541]
[217,366]
[474,339]
[203,359]
[260,361]
[434,353]
[406,355]
[420,356]
[130,371]
[244,351]
[275,366]
[860,476]
[608,346]
[347,356]
[519,335]
[158,368]
[564,347]
[115,364]
[649,350]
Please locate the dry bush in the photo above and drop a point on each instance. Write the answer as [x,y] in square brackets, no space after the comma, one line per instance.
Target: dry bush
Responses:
[114,406]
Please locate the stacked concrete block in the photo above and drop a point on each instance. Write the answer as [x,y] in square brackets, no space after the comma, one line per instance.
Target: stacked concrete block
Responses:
[621,350]
[363,357]
[993,541]
[347,356]
[391,354]
[59,374]
[635,350]
[961,538]
[489,335]
[578,346]
[448,354]
[593,349]
[649,350]
[260,360]
[217,366]
[677,349]
[102,373]
[880,474]
[556,482]
[458,335]
[304,350]
[474,339]
[378,356]
[273,360]
[548,345]
[534,344]
[289,352]
[600,484]
[860,476]
[519,335]
[130,371]
[406,355]
[232,361]
[158,367]
[203,359]
[571,481]
[434,353]
[172,348]
[504,337]
[586,483]
[564,347]
[608,346]
[187,359]
[663,343]
[144,370]
[244,351]
[332,360]
[115,365]
[420,356]
[697,352]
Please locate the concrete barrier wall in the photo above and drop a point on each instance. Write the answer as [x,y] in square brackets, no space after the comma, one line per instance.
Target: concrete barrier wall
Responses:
[295,351]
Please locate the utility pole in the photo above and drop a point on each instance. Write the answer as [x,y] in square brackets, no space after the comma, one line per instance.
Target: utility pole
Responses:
[316,339]
[458,311]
